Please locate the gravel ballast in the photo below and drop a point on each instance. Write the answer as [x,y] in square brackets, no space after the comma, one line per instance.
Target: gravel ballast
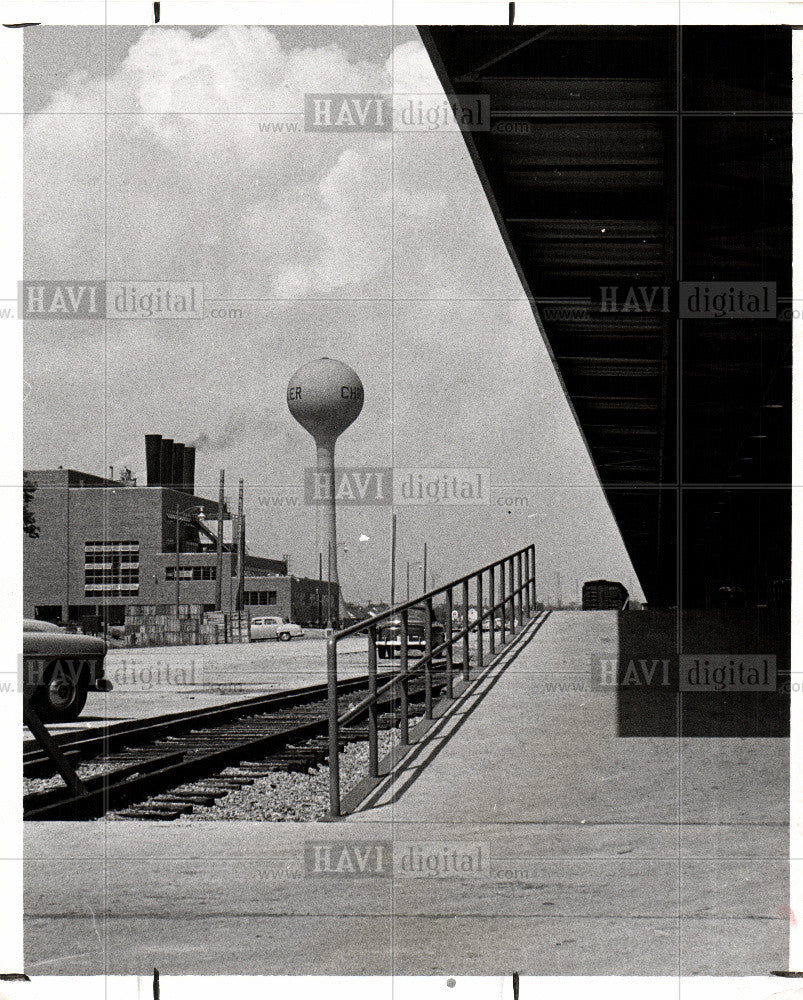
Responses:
[292,796]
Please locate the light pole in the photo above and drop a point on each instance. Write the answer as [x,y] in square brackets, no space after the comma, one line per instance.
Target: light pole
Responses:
[393,562]
[219,545]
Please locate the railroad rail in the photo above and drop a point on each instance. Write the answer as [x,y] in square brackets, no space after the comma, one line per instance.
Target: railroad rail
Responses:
[157,760]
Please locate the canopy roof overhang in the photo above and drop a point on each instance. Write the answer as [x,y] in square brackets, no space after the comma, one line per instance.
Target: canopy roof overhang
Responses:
[619,162]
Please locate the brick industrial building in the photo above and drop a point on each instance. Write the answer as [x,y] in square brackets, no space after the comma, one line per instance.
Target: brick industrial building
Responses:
[105,545]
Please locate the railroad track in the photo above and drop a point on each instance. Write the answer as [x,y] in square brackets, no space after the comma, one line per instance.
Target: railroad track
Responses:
[161,767]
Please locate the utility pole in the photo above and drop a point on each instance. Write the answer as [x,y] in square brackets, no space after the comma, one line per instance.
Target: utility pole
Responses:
[219,578]
[329,586]
[178,563]
[240,551]
[408,579]
[425,568]
[393,564]
[320,587]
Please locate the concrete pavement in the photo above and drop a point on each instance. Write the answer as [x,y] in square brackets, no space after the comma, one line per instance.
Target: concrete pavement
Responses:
[582,853]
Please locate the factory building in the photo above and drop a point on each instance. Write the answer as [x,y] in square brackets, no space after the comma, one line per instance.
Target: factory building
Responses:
[105,545]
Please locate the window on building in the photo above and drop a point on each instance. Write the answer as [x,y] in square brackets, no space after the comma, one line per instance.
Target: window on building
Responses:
[192,572]
[111,569]
[257,598]
[47,612]
[79,611]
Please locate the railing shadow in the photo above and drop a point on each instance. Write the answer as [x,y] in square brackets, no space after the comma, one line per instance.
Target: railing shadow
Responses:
[406,771]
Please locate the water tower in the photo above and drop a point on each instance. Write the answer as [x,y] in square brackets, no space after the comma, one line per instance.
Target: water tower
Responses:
[326,397]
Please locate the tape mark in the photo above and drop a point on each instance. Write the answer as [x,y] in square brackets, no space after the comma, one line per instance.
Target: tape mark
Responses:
[515,974]
[23,24]
[155,984]
[14,977]
[157,16]
[511,13]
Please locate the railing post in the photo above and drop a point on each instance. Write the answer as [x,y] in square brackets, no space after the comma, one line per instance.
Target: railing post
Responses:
[534,583]
[404,694]
[428,663]
[502,603]
[479,622]
[465,630]
[512,583]
[519,585]
[527,583]
[334,734]
[373,710]
[448,636]
[492,602]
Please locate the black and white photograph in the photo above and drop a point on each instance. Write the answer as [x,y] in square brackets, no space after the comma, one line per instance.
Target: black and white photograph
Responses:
[407,502]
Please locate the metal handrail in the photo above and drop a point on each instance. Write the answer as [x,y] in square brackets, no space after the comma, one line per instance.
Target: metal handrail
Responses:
[517,599]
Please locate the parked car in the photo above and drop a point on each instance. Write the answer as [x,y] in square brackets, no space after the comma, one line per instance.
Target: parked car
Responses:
[388,639]
[60,668]
[486,625]
[274,627]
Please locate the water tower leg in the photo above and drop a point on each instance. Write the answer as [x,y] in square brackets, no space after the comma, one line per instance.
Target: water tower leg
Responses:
[326,487]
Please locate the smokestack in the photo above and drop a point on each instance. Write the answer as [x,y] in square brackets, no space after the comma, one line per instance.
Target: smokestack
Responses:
[166,463]
[189,468]
[178,467]
[153,458]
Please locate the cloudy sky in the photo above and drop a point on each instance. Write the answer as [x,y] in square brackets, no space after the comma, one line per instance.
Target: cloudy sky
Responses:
[376,249]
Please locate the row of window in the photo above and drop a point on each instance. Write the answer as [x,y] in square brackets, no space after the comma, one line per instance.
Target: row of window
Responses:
[252,598]
[111,569]
[127,575]
[110,547]
[192,573]
[125,559]
[110,590]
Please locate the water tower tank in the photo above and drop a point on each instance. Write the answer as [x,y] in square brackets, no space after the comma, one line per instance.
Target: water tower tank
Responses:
[326,397]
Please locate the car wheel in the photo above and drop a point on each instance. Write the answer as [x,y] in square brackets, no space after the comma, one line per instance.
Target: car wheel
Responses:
[62,695]
[285,636]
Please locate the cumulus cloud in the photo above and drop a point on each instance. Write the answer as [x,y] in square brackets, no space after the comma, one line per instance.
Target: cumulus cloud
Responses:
[203,172]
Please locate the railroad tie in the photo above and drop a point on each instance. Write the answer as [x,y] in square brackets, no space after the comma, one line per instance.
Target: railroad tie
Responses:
[142,812]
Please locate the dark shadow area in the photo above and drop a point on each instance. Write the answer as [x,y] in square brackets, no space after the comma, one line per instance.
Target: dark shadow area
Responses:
[652,701]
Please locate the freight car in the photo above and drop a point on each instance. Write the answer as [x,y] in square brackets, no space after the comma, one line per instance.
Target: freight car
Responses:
[604,595]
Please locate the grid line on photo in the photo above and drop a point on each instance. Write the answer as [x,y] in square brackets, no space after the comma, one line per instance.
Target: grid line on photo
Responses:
[677,488]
